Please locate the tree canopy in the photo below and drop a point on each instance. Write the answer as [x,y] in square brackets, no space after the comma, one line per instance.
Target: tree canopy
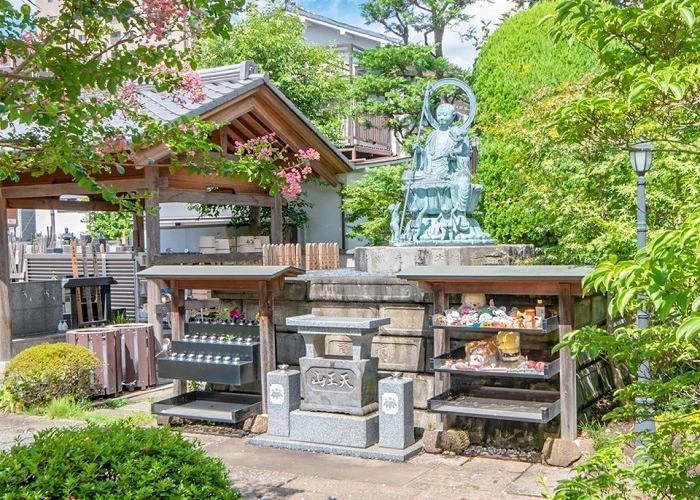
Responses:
[311,76]
[648,79]
[67,90]
[427,19]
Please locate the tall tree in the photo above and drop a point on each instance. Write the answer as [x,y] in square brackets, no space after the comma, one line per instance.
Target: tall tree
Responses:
[648,80]
[67,97]
[309,75]
[427,18]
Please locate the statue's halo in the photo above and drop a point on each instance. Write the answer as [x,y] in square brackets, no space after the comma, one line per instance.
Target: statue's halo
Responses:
[427,112]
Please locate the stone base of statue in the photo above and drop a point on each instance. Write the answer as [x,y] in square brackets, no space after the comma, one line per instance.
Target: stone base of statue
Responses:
[394,259]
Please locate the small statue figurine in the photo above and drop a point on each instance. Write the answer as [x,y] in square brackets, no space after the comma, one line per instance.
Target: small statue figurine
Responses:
[395,210]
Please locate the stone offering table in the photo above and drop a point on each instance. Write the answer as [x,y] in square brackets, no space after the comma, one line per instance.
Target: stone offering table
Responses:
[340,413]
[334,384]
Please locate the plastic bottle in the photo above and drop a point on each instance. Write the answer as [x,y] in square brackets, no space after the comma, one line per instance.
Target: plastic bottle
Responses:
[540,309]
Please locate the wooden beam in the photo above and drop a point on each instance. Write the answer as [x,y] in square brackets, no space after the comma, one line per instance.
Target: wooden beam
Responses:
[504,287]
[567,373]
[181,196]
[5,311]
[137,231]
[268,357]
[146,157]
[58,204]
[39,190]
[441,337]
[251,127]
[198,258]
[295,139]
[231,111]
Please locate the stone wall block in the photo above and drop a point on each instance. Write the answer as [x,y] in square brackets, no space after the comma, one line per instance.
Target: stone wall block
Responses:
[345,310]
[406,320]
[404,354]
[290,347]
[582,312]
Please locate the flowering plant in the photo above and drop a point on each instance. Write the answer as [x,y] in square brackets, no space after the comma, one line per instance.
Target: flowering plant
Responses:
[272,164]
[68,99]
[235,314]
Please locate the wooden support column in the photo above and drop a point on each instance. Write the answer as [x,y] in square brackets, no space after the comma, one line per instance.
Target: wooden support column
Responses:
[567,373]
[137,233]
[5,311]
[268,358]
[441,338]
[276,221]
[177,322]
[153,249]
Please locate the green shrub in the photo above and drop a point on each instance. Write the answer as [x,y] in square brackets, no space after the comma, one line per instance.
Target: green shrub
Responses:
[44,372]
[112,462]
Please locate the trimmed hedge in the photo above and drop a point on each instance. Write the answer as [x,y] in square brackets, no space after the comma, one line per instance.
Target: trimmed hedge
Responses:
[44,372]
[112,462]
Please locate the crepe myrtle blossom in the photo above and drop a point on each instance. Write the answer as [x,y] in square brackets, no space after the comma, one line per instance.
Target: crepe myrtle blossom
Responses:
[289,170]
[162,15]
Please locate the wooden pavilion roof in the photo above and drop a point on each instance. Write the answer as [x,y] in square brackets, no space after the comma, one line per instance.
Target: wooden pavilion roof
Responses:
[245,102]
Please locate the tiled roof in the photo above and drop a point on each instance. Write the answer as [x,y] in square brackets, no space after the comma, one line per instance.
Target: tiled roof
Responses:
[218,84]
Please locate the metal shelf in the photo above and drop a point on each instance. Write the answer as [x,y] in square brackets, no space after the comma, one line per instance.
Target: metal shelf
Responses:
[548,325]
[521,405]
[211,406]
[240,373]
[447,363]
[194,328]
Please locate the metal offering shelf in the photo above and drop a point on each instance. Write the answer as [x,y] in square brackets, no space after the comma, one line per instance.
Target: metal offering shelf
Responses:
[212,406]
[499,403]
[194,328]
[447,363]
[209,361]
[548,325]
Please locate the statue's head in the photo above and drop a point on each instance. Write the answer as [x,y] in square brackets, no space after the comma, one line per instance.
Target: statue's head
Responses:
[445,113]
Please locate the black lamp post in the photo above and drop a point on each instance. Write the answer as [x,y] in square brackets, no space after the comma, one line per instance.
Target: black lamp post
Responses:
[640,157]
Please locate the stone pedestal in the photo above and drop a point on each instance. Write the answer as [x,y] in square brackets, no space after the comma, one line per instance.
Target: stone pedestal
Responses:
[334,429]
[396,413]
[392,260]
[334,385]
[283,397]
[338,385]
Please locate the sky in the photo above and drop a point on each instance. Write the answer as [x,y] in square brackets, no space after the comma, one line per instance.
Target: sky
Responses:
[456,51]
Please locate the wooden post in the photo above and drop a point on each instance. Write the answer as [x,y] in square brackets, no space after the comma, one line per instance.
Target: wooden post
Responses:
[5,311]
[177,322]
[441,341]
[567,373]
[268,358]
[137,232]
[152,249]
[276,221]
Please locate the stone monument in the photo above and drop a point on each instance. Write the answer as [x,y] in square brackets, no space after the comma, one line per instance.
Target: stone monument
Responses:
[439,195]
[345,410]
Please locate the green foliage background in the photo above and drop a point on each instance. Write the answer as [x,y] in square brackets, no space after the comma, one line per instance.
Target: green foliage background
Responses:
[366,203]
[575,202]
[309,75]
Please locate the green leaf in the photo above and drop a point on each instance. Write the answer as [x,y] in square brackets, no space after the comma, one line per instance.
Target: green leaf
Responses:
[688,16]
[689,329]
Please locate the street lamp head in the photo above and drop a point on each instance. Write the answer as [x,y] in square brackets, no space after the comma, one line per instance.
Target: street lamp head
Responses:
[640,156]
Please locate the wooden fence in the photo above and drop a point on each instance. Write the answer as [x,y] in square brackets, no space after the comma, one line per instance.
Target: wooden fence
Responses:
[317,255]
